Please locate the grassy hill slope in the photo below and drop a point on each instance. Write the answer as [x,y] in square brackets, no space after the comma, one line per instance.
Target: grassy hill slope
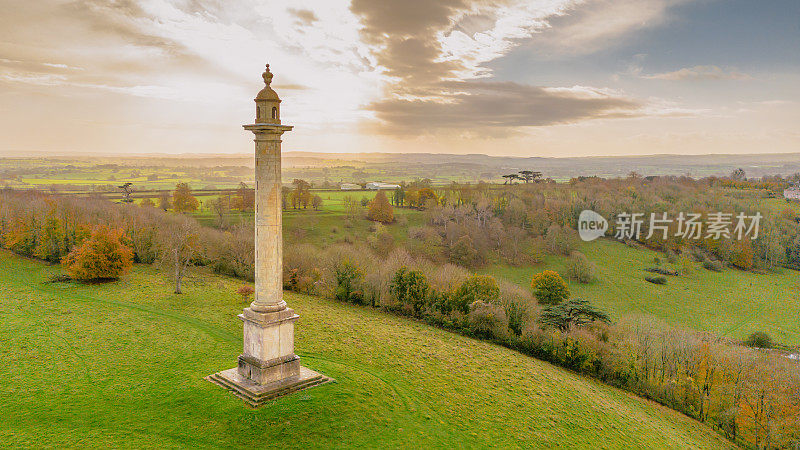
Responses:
[732,303]
[122,364]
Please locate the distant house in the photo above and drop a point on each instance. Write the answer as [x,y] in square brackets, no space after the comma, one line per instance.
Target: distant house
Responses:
[349,187]
[792,193]
[377,185]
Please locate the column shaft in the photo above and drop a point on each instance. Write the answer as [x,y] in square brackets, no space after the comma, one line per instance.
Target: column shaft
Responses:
[268,224]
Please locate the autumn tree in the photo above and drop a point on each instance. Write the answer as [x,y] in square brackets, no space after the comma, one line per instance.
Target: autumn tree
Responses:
[51,241]
[148,203]
[351,207]
[743,255]
[246,293]
[421,197]
[425,195]
[549,288]
[463,252]
[316,202]
[183,200]
[380,210]
[482,288]
[301,195]
[104,255]
[410,288]
[245,199]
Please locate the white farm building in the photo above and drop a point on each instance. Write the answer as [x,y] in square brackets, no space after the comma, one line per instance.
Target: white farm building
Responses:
[792,193]
[377,185]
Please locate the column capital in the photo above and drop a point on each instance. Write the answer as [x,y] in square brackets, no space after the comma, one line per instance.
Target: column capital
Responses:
[267,128]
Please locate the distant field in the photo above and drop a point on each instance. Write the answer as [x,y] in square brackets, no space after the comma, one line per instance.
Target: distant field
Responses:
[77,175]
[122,364]
[105,173]
[732,303]
[391,167]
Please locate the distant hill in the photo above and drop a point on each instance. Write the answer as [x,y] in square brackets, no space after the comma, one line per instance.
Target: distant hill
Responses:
[440,168]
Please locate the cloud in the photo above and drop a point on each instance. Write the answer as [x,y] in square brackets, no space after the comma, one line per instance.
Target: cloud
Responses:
[586,26]
[435,53]
[304,16]
[700,73]
[498,107]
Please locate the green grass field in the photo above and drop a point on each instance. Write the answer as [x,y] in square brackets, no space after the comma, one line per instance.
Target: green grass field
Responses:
[733,303]
[122,364]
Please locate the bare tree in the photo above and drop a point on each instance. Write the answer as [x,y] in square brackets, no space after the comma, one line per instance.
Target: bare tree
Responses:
[164,200]
[179,243]
[221,206]
[127,188]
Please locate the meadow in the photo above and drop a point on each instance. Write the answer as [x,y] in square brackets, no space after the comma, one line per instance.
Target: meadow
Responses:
[121,364]
[732,303]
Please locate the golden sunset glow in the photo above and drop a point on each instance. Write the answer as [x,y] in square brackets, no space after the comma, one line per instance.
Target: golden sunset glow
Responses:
[538,78]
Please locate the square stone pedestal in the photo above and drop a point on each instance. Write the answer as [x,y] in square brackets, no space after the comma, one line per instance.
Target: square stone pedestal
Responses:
[268,367]
[256,395]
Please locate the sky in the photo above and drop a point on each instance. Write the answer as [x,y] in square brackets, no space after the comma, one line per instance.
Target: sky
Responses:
[499,77]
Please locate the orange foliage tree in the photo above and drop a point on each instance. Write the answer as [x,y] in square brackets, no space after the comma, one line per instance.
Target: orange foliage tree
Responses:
[380,210]
[104,255]
[743,255]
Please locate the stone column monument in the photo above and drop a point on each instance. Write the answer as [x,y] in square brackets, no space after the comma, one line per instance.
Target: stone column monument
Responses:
[268,367]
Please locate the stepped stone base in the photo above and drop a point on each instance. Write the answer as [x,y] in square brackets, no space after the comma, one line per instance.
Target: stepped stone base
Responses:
[256,395]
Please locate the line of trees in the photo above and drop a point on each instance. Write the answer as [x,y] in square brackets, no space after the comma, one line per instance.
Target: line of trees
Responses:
[50,227]
[523,175]
[474,225]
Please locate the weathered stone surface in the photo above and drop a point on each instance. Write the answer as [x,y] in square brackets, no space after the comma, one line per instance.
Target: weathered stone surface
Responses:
[256,395]
[268,346]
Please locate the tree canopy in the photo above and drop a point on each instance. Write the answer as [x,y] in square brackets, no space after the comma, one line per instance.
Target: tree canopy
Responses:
[380,210]
[573,312]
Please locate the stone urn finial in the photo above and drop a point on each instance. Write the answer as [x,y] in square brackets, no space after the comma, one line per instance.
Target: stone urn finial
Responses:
[267,76]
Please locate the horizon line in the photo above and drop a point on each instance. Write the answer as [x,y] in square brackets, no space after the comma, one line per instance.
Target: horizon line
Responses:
[48,154]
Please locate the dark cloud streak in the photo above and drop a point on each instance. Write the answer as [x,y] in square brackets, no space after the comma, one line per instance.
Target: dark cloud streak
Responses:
[476,105]
[426,100]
